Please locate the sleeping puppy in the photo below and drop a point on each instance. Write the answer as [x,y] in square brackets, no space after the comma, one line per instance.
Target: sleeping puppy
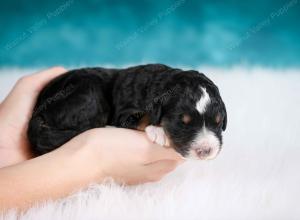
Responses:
[184,107]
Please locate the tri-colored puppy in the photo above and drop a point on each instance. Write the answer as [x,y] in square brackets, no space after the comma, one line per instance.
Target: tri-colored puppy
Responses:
[183,106]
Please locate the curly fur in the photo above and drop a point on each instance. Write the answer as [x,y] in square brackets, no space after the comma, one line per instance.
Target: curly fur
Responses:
[95,97]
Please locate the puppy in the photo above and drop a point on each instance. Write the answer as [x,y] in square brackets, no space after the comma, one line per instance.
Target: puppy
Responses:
[183,106]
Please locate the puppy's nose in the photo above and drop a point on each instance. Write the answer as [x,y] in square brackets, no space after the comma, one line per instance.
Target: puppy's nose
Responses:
[203,152]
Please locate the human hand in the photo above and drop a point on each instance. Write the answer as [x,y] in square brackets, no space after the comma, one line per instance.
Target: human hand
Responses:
[122,154]
[125,155]
[15,112]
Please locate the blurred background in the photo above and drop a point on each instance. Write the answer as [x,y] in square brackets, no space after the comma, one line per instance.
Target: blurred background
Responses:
[175,32]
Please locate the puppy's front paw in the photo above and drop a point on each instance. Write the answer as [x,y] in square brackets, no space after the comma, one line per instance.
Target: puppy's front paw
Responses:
[156,134]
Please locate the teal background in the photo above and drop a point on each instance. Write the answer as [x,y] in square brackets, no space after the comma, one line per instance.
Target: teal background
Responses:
[116,32]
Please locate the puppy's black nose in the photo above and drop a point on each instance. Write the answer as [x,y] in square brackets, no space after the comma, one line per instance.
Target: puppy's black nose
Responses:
[203,152]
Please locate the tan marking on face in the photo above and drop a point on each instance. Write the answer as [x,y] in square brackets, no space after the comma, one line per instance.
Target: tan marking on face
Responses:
[143,123]
[218,118]
[186,119]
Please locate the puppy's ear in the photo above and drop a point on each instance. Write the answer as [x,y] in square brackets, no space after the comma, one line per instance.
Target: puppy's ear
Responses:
[129,118]
[155,113]
[225,119]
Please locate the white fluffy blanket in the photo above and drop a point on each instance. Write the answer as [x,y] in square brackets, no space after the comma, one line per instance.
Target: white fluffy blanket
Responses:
[256,176]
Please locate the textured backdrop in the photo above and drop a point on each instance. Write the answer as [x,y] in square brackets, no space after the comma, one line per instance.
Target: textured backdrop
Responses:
[256,176]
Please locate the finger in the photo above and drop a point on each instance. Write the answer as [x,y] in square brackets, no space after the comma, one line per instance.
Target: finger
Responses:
[42,78]
[20,101]
[34,83]
[156,170]
[158,152]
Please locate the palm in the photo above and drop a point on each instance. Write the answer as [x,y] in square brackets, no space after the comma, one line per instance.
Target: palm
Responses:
[15,112]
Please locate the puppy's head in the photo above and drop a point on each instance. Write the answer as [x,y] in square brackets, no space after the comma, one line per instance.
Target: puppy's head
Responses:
[195,116]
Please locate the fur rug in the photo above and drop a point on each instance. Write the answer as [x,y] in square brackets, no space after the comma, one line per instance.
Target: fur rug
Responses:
[256,176]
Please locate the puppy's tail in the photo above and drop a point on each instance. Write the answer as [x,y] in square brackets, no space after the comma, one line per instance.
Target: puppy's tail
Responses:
[44,138]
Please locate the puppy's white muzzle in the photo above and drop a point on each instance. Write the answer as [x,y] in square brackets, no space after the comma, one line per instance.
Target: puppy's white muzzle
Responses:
[206,145]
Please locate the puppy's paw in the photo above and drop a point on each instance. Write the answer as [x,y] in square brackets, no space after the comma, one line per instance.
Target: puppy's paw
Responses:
[156,134]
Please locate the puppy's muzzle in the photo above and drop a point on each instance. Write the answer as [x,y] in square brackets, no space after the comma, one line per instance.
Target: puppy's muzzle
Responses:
[204,152]
[205,147]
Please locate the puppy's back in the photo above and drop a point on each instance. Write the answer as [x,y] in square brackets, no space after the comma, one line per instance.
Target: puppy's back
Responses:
[69,105]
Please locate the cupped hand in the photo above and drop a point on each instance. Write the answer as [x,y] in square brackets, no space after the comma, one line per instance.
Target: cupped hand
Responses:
[125,155]
[15,112]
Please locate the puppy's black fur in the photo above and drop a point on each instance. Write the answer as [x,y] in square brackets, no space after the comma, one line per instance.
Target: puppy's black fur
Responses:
[152,94]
